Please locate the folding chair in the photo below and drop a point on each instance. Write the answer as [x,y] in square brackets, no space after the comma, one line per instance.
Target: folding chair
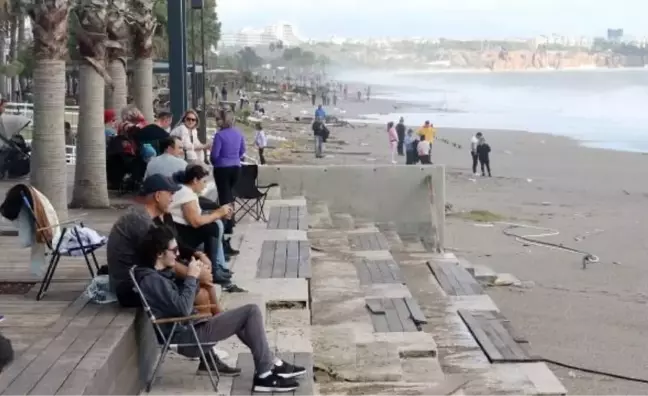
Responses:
[249,195]
[166,341]
[55,251]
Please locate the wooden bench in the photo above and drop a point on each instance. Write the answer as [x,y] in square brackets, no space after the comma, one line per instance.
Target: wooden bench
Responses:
[284,259]
[368,241]
[287,218]
[454,279]
[90,349]
[395,314]
[378,271]
[497,338]
[242,385]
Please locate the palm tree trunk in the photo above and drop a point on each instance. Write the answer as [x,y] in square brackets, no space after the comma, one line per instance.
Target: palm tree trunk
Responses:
[143,24]
[49,170]
[90,185]
[3,59]
[13,53]
[117,94]
[22,40]
[48,138]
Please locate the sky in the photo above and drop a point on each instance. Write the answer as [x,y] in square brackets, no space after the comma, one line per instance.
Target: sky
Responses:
[439,18]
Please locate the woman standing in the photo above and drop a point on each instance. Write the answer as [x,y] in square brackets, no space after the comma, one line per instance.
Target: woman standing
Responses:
[226,153]
[393,141]
[188,132]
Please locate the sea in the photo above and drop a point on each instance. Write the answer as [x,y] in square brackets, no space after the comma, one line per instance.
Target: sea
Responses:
[602,108]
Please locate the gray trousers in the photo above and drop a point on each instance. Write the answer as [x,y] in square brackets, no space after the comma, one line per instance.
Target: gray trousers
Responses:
[247,323]
[319,143]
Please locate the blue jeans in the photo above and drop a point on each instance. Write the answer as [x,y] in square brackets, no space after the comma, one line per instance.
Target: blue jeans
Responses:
[319,142]
[214,248]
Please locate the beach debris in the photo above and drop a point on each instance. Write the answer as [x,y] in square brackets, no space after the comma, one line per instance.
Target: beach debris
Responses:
[473,180]
[506,280]
[507,152]
[484,225]
[369,159]
[529,180]
[571,374]
[626,192]
[363,144]
[542,142]
[546,203]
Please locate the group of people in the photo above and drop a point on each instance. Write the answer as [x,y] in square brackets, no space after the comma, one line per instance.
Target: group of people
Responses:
[179,243]
[416,148]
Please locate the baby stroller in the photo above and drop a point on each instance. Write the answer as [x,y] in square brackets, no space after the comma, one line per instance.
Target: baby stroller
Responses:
[15,159]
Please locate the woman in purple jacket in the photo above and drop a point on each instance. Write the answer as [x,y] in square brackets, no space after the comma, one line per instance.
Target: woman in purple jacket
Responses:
[227,150]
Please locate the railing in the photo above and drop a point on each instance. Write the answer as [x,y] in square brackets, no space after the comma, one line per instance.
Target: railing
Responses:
[27,109]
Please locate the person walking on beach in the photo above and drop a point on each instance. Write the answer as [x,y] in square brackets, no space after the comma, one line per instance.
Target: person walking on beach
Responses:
[474,142]
[428,132]
[335,98]
[313,97]
[260,141]
[423,149]
[224,93]
[400,130]
[411,156]
[483,152]
[368,93]
[320,134]
[346,91]
[393,140]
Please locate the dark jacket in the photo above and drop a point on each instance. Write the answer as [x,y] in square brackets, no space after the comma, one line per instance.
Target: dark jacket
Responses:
[320,129]
[483,151]
[400,130]
[167,296]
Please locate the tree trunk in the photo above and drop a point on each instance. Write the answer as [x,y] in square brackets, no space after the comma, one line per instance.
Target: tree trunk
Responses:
[49,170]
[143,86]
[22,40]
[3,59]
[90,185]
[116,97]
[13,54]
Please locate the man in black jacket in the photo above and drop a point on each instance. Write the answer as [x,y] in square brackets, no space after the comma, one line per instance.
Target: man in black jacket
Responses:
[400,130]
[169,297]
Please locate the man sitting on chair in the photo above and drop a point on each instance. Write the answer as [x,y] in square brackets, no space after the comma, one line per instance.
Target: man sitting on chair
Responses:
[171,298]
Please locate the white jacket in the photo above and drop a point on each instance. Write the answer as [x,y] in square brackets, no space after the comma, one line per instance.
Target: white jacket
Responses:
[193,147]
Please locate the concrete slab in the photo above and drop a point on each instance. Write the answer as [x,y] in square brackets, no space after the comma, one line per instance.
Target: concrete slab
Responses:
[294,339]
[235,300]
[319,215]
[384,388]
[288,318]
[293,201]
[342,221]
[386,290]
[543,379]
[506,280]
[436,256]
[408,344]
[422,370]
[484,274]
[371,254]
[364,230]
[413,247]
[480,302]
[276,289]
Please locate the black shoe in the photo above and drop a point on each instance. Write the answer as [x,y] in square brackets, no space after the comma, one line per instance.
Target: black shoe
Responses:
[287,370]
[232,288]
[228,249]
[274,383]
[223,369]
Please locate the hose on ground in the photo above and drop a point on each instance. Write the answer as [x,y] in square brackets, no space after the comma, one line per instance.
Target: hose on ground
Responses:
[595,372]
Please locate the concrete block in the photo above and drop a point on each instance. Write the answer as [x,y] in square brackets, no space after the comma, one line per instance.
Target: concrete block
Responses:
[319,216]
[408,344]
[341,310]
[386,290]
[334,349]
[342,221]
[484,274]
[276,289]
[481,302]
[371,254]
[413,247]
[436,256]
[543,379]
[506,280]
[234,300]
[422,370]
[288,318]
[294,339]
[377,362]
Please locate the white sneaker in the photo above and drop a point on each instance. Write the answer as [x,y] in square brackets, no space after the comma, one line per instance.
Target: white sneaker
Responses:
[394,162]
[477,175]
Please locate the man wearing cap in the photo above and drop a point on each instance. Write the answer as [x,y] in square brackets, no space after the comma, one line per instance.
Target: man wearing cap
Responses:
[128,231]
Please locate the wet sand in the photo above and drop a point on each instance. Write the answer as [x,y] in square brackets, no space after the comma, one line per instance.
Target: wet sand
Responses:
[595,318]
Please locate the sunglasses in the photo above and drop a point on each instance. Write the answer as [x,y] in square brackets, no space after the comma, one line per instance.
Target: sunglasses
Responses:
[190,119]
[174,250]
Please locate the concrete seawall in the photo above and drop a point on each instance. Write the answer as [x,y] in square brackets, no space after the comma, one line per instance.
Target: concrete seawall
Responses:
[381,193]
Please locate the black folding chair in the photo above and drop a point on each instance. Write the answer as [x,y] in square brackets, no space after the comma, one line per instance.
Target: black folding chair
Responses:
[166,341]
[55,253]
[251,197]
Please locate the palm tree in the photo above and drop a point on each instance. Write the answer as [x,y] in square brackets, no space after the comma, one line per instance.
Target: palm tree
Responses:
[116,95]
[90,185]
[50,30]
[143,23]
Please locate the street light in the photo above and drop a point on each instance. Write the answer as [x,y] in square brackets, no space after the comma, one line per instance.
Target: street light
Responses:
[202,131]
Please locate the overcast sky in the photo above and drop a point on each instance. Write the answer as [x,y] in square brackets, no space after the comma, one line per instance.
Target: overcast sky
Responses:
[439,18]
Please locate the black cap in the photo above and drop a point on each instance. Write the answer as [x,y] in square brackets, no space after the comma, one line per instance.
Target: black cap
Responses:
[156,183]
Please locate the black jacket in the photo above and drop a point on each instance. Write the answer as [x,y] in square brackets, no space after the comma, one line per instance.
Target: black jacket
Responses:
[320,129]
[483,151]
[400,129]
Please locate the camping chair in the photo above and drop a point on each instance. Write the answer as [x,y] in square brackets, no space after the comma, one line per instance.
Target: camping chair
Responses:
[55,251]
[165,341]
[249,195]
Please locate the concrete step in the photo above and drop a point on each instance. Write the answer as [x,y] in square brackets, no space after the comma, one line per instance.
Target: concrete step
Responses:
[343,221]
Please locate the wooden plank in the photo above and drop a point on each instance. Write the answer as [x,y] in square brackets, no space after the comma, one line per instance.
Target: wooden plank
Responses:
[266,261]
[305,270]
[363,273]
[452,279]
[379,322]
[468,283]
[375,305]
[442,278]
[415,311]
[303,218]
[404,314]
[393,320]
[242,385]
[491,351]
[382,242]
[280,255]
[293,212]
[293,224]
[283,218]
[517,353]
[388,276]
[306,382]
[396,272]
[515,334]
[374,272]
[292,260]
[273,220]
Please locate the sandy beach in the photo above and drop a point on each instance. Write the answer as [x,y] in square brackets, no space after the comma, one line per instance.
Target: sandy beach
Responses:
[595,318]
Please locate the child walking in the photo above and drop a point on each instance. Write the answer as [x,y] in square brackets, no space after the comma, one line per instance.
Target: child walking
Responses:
[483,154]
[260,141]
